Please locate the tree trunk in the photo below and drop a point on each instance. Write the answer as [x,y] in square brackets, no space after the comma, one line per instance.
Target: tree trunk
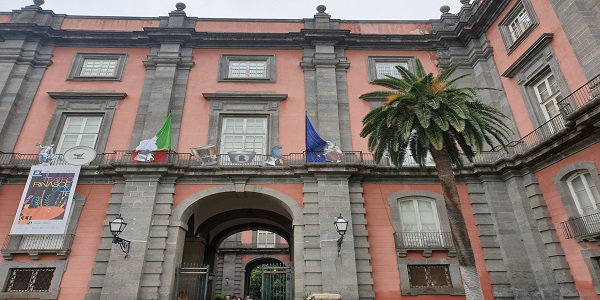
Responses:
[458,227]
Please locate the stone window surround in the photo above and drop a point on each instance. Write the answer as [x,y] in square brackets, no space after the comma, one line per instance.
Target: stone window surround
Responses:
[453,268]
[278,239]
[373,60]
[52,293]
[77,207]
[225,59]
[244,104]
[530,67]
[560,182]
[83,103]
[77,65]
[503,26]
[591,257]
[403,262]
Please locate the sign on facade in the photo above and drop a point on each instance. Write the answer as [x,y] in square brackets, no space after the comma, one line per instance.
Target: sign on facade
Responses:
[46,201]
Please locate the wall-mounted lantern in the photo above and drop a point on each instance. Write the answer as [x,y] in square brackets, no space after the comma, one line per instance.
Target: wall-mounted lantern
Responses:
[116,227]
[341,226]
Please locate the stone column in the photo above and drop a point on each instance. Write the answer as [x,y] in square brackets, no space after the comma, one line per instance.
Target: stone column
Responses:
[24,57]
[325,80]
[579,20]
[165,85]
[326,196]
[123,277]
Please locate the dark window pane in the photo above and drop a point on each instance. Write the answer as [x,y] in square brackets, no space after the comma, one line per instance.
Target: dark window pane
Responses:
[429,276]
[417,276]
[43,279]
[30,280]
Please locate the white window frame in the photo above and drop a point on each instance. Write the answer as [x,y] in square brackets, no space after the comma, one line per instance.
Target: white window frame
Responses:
[78,68]
[421,239]
[590,189]
[267,235]
[224,135]
[228,62]
[416,212]
[553,98]
[388,68]
[374,61]
[96,67]
[247,69]
[59,147]
[519,24]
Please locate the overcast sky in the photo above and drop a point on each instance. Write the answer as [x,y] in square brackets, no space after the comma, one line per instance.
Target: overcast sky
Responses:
[253,9]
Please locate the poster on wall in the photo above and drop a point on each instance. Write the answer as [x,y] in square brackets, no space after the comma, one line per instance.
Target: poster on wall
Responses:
[46,201]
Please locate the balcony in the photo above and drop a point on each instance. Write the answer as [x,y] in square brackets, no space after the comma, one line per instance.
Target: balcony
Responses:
[36,244]
[586,228]
[425,241]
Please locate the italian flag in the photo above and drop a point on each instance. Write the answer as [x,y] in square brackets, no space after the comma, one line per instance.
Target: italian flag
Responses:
[156,148]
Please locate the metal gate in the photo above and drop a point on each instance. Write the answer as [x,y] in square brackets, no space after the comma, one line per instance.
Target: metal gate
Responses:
[276,282]
[191,282]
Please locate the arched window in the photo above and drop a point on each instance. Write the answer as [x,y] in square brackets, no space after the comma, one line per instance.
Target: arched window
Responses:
[419,215]
[584,192]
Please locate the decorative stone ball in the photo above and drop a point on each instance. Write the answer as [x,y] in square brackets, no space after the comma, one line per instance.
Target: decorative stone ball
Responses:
[445,9]
[321,8]
[38,2]
[180,6]
[465,2]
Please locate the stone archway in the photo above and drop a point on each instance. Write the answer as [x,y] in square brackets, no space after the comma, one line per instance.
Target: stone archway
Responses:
[219,212]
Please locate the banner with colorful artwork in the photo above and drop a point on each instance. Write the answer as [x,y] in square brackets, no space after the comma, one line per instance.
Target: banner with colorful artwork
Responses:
[46,201]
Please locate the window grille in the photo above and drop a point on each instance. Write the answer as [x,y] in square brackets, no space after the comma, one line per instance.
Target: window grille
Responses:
[429,276]
[30,280]
[248,69]
[99,68]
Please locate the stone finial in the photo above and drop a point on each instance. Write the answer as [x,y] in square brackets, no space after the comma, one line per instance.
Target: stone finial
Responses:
[180,6]
[321,8]
[445,9]
[38,2]
[465,2]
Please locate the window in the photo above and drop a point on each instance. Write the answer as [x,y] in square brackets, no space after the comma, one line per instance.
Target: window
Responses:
[244,134]
[265,239]
[584,192]
[388,69]
[260,68]
[380,66]
[517,24]
[98,66]
[418,215]
[79,131]
[548,94]
[247,69]
[429,276]
[30,280]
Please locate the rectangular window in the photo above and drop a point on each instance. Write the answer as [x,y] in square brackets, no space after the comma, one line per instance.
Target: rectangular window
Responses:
[389,69]
[258,68]
[79,131]
[98,66]
[244,134]
[548,94]
[517,24]
[30,280]
[247,69]
[429,276]
[265,239]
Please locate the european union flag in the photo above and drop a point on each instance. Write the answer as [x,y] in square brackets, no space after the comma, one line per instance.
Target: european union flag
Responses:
[314,144]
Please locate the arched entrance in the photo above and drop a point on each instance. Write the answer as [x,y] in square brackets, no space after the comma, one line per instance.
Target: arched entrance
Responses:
[218,228]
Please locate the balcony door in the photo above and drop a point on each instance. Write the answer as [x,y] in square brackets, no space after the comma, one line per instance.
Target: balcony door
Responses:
[420,223]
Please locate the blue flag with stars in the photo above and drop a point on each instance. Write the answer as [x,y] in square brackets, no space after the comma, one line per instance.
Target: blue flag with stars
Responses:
[314,144]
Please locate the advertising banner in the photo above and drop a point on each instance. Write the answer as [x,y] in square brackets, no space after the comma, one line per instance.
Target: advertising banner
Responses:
[46,201]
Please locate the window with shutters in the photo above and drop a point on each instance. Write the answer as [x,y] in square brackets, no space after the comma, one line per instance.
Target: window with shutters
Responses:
[79,131]
[98,66]
[548,94]
[244,134]
[257,68]
[584,192]
[380,66]
[265,239]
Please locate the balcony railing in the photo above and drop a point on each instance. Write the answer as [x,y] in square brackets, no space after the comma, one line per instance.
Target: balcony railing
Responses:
[586,96]
[582,227]
[423,240]
[34,244]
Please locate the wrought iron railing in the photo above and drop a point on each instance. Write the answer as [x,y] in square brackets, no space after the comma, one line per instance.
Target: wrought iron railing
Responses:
[580,97]
[588,94]
[423,240]
[581,227]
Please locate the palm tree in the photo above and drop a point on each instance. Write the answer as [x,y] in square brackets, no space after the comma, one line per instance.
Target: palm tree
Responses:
[425,113]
